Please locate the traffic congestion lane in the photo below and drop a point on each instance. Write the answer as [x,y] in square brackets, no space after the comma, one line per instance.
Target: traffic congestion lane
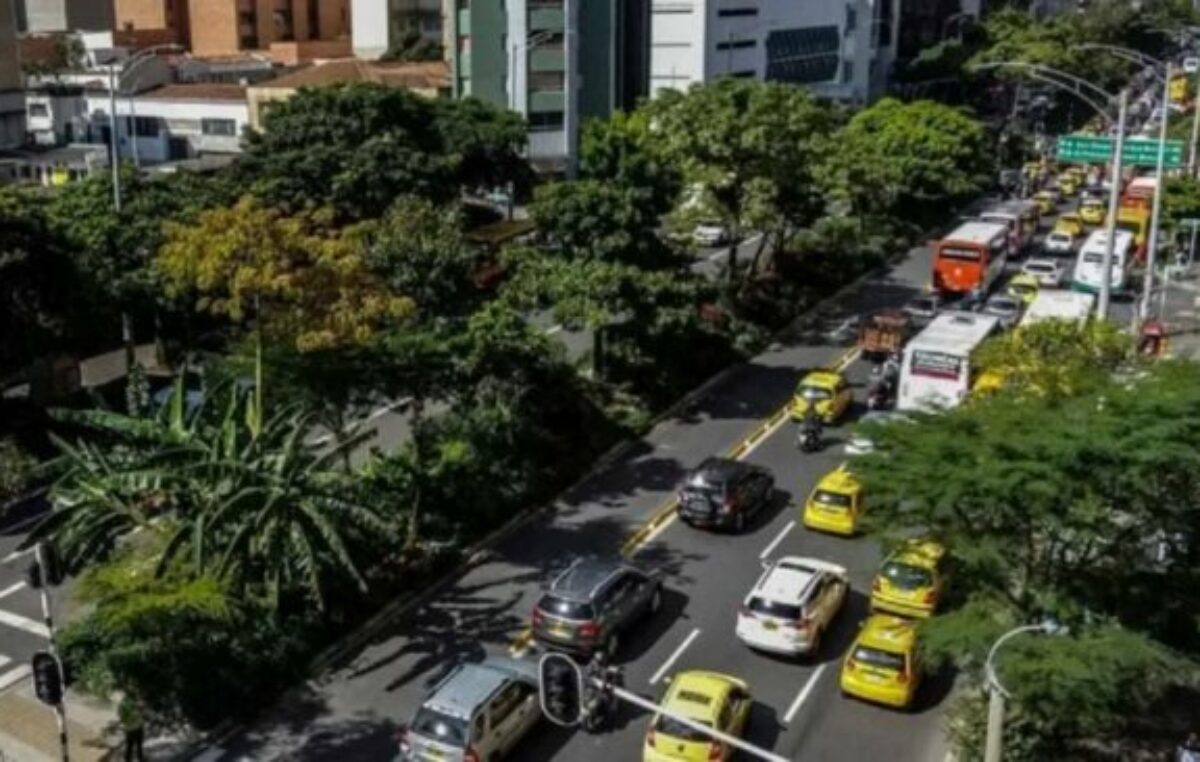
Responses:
[355,709]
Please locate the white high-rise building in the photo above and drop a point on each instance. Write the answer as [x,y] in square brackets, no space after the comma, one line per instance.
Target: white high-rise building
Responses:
[840,48]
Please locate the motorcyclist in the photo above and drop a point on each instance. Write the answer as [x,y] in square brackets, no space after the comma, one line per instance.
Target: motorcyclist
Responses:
[811,425]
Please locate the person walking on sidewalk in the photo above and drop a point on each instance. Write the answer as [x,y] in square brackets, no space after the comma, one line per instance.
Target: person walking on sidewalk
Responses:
[129,712]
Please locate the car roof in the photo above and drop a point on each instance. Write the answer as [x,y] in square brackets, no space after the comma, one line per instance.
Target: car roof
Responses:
[581,578]
[839,480]
[699,683]
[888,633]
[717,470]
[924,553]
[822,378]
[789,580]
[470,685]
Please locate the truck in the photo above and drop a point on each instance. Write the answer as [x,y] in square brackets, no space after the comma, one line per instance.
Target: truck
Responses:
[883,334]
[1059,304]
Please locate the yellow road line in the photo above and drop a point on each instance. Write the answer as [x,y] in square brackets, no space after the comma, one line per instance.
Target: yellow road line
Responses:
[666,511]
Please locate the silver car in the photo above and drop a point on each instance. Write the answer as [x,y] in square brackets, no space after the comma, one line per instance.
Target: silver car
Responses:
[1005,307]
[478,713]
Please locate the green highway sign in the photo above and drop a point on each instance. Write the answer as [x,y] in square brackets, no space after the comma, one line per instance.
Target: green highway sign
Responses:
[1097,149]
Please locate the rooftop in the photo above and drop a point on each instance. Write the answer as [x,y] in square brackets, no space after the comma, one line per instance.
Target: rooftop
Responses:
[199,91]
[416,75]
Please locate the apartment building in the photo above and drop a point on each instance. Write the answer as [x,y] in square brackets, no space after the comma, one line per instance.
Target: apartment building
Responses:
[12,99]
[64,15]
[227,27]
[382,25]
[843,49]
[557,62]
[139,15]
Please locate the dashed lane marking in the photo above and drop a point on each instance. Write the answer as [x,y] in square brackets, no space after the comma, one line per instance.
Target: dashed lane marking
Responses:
[767,551]
[21,623]
[804,693]
[14,676]
[674,656]
[11,589]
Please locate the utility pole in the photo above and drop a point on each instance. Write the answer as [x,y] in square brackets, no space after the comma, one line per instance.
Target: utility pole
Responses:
[1159,190]
[113,140]
[44,573]
[1113,193]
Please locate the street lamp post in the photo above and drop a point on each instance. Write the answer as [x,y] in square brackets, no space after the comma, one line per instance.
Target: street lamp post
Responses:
[1160,189]
[996,692]
[113,81]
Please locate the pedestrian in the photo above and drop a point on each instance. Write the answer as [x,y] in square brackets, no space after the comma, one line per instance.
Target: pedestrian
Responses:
[129,712]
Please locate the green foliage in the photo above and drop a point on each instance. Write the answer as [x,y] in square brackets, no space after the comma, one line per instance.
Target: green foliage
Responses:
[16,470]
[597,219]
[186,648]
[356,148]
[1181,200]
[1055,358]
[413,46]
[908,160]
[1082,508]
[623,151]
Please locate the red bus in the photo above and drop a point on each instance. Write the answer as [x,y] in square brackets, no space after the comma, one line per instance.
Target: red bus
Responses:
[972,257]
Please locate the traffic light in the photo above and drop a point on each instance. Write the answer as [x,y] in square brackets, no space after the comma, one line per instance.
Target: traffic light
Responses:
[561,688]
[47,678]
[47,567]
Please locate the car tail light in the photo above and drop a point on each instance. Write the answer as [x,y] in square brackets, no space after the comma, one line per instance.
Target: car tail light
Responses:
[471,755]
[728,505]
[650,738]
[715,751]
[589,630]
[538,617]
[931,596]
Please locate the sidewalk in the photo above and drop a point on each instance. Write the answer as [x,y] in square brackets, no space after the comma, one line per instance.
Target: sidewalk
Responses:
[29,730]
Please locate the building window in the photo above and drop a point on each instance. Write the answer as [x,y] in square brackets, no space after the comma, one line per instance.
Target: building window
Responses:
[546,81]
[745,74]
[38,109]
[851,18]
[736,44]
[847,71]
[731,12]
[226,128]
[545,121]
[142,126]
[314,20]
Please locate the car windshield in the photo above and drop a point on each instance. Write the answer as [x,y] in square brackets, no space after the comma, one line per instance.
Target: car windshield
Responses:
[1039,267]
[905,576]
[566,608]
[443,728]
[773,608]
[873,657]
[825,497]
[810,392]
[676,729]
[1060,238]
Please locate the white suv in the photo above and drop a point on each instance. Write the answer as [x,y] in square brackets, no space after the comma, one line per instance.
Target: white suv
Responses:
[791,605]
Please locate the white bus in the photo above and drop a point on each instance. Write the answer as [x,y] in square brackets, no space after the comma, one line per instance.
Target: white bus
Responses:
[1089,266]
[1058,304]
[936,372]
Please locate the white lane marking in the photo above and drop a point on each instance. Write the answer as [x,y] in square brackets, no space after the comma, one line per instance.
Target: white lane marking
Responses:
[21,623]
[210,755]
[778,539]
[671,659]
[11,589]
[4,660]
[804,692]
[553,329]
[14,556]
[14,675]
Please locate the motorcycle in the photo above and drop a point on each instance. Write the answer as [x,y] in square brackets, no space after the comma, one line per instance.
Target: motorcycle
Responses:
[809,438]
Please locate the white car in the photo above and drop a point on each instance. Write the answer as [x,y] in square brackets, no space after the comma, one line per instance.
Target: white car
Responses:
[710,234]
[1059,243]
[793,603]
[1049,272]
[1191,65]
[860,443]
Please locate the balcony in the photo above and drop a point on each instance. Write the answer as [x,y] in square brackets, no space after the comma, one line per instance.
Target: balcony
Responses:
[546,17]
[547,100]
[464,22]
[547,58]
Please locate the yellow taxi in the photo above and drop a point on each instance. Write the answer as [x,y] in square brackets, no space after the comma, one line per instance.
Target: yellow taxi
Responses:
[883,665]
[709,698]
[825,389]
[1070,223]
[836,503]
[1092,211]
[1024,287]
[1068,184]
[910,581]
[1047,201]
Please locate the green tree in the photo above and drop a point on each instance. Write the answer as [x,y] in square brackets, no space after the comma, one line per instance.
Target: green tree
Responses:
[1079,508]
[908,160]
[623,151]
[1055,358]
[597,219]
[751,146]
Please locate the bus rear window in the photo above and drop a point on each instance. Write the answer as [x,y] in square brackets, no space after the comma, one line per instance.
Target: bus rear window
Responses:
[936,365]
[955,252]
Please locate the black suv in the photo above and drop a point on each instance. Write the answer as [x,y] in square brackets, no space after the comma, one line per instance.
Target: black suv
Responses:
[724,493]
[592,602]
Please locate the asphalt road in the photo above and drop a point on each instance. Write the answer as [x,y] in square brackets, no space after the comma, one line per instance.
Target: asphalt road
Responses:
[22,631]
